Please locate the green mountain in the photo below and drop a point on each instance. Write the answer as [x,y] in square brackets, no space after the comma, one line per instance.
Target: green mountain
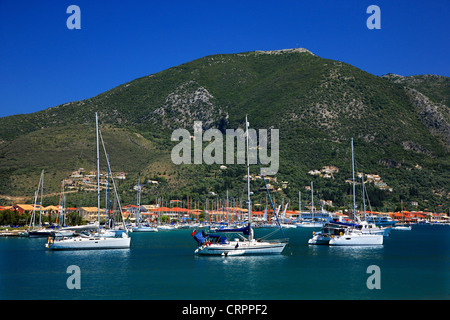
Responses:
[400,126]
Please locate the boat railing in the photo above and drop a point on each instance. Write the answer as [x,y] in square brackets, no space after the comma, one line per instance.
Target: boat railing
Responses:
[284,240]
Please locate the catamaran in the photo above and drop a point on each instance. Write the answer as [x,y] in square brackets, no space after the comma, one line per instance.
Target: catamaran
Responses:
[245,242]
[95,241]
[350,234]
[354,237]
[328,231]
[361,235]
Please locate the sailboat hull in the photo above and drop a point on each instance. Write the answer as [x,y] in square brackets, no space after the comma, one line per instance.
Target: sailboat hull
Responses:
[144,229]
[40,233]
[166,227]
[64,233]
[90,243]
[402,228]
[357,240]
[320,239]
[309,225]
[241,248]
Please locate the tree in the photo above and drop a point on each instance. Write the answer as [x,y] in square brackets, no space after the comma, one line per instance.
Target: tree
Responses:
[8,217]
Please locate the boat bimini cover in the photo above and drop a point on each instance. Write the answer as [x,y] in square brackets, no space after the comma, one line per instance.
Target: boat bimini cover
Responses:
[345,224]
[217,238]
[202,237]
[245,230]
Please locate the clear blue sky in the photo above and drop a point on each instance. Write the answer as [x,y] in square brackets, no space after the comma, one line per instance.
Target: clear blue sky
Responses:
[44,64]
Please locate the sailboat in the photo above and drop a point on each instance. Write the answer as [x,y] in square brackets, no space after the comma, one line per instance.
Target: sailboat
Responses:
[62,232]
[38,231]
[328,231]
[332,229]
[283,215]
[370,227]
[311,223]
[139,227]
[245,243]
[355,236]
[403,225]
[96,241]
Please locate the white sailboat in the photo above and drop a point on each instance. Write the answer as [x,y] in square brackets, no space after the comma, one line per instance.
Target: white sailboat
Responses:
[94,242]
[166,227]
[310,223]
[328,231]
[404,226]
[354,236]
[38,231]
[366,226]
[283,215]
[61,232]
[349,233]
[334,229]
[139,227]
[144,228]
[213,244]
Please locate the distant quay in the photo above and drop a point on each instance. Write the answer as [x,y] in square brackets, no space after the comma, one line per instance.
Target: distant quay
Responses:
[10,233]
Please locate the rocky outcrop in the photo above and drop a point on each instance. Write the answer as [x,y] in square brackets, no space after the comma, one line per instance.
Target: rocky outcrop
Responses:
[434,116]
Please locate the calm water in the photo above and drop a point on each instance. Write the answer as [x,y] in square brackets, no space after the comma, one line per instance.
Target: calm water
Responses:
[414,265]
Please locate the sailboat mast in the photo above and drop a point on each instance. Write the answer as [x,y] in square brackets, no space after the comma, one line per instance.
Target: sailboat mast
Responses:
[138,203]
[63,209]
[248,179]
[112,179]
[42,195]
[363,196]
[107,194]
[98,173]
[312,201]
[227,205]
[354,192]
[300,203]
[33,216]
[61,205]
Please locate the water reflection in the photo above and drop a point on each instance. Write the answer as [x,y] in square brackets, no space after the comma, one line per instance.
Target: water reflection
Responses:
[241,260]
[244,277]
[252,260]
[358,252]
[92,254]
[91,261]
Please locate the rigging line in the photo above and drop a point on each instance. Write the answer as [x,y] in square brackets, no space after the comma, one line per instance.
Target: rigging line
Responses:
[243,191]
[364,189]
[268,235]
[271,202]
[307,197]
[368,200]
[114,183]
[270,197]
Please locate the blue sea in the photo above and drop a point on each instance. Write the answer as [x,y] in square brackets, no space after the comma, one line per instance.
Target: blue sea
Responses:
[162,266]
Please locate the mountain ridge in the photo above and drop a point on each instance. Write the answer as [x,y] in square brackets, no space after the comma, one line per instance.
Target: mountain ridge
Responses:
[318,104]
